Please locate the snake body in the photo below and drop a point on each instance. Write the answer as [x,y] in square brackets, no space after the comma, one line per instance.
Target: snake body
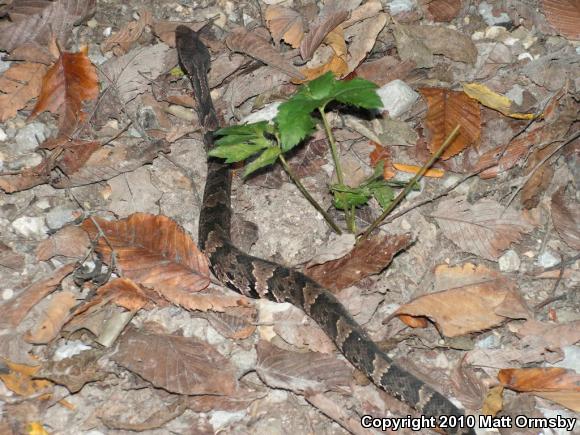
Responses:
[258,278]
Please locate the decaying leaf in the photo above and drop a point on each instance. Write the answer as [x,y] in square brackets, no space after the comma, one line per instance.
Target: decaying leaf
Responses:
[541,177]
[469,298]
[369,257]
[182,365]
[19,379]
[495,101]
[128,34]
[384,70]
[549,336]
[67,86]
[303,373]
[285,24]
[566,219]
[10,259]
[564,15]
[52,318]
[12,313]
[447,109]
[443,10]
[337,63]
[152,250]
[485,228]
[382,154]
[362,37]
[329,17]
[556,384]
[243,41]
[18,85]
[237,322]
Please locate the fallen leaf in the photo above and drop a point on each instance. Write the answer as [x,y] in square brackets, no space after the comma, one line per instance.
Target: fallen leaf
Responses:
[18,85]
[363,36]
[384,70]
[19,379]
[182,365]
[564,15]
[75,155]
[11,259]
[382,154]
[413,169]
[285,24]
[52,318]
[237,323]
[369,257]
[12,312]
[295,328]
[540,179]
[302,373]
[243,41]
[493,403]
[485,228]
[337,63]
[328,19]
[447,109]
[309,158]
[125,293]
[443,10]
[66,87]
[165,30]
[153,251]
[566,219]
[549,336]
[468,299]
[128,34]
[369,9]
[495,101]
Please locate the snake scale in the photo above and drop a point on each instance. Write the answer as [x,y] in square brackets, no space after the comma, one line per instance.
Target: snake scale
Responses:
[258,278]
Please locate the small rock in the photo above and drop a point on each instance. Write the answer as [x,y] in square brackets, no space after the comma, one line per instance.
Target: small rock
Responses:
[107,32]
[30,136]
[7,294]
[397,97]
[267,113]
[29,226]
[509,261]
[3,135]
[70,349]
[401,6]
[92,23]
[60,216]
[4,65]
[491,18]
[28,160]
[548,259]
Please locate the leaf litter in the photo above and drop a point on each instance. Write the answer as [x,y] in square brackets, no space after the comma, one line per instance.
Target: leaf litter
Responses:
[484,241]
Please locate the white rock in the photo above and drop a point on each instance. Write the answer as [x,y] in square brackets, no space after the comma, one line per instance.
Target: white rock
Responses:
[70,349]
[3,135]
[267,113]
[60,216]
[509,261]
[221,419]
[397,97]
[7,293]
[29,226]
[548,259]
[400,6]
[28,138]
[486,12]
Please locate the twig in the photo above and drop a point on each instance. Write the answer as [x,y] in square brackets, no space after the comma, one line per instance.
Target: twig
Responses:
[411,183]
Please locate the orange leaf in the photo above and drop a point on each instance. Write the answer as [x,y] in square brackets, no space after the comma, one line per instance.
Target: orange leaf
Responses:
[67,85]
[337,64]
[286,24]
[18,85]
[384,154]
[564,15]
[19,379]
[446,110]
[52,319]
[540,379]
[413,169]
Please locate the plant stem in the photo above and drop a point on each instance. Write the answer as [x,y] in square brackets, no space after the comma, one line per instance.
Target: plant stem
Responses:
[411,183]
[307,195]
[337,165]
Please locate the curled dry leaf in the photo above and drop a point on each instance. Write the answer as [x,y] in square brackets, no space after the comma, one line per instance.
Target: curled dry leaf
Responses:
[128,34]
[303,373]
[564,15]
[12,313]
[566,219]
[469,299]
[67,86]
[243,41]
[285,24]
[52,318]
[363,36]
[495,101]
[328,19]
[485,228]
[447,109]
[182,365]
[337,64]
[18,85]
[369,257]
[556,384]
[152,250]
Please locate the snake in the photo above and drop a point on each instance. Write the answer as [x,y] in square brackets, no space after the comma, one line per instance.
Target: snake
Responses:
[259,278]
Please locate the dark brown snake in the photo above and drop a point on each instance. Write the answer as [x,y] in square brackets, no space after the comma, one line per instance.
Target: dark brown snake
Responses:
[258,278]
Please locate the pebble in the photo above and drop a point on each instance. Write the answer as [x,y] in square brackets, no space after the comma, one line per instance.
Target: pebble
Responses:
[509,261]
[29,226]
[92,23]
[548,259]
[3,135]
[267,113]
[70,349]
[397,97]
[30,136]
[491,18]
[60,216]
[7,294]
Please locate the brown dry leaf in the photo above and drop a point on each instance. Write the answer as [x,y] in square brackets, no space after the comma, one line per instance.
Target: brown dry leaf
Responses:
[25,180]
[337,63]
[447,109]
[33,21]
[363,36]
[295,328]
[237,323]
[443,10]
[414,169]
[328,19]
[165,30]
[550,336]
[125,293]
[76,154]
[243,41]
[67,86]
[540,179]
[10,259]
[153,251]
[12,312]
[128,34]
[122,155]
[493,401]
[566,219]
[52,318]
[468,299]
[182,365]
[18,85]
[384,70]
[485,228]
[285,24]
[369,257]
[309,158]
[381,153]
[302,373]
[564,15]
[19,379]
[369,9]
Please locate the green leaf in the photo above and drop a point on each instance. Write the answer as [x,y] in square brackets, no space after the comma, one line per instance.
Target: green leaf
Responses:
[383,194]
[346,197]
[294,121]
[320,88]
[236,152]
[357,92]
[268,157]
[243,129]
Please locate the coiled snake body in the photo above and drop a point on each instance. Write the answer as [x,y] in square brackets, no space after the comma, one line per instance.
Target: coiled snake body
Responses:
[258,278]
